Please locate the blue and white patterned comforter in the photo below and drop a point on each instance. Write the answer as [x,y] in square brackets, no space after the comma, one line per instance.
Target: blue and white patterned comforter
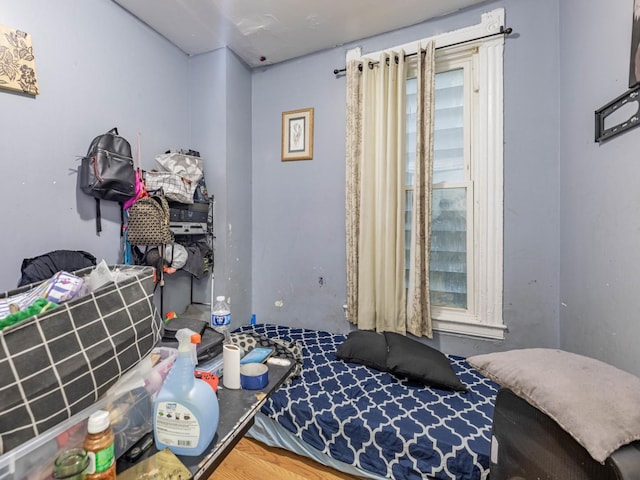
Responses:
[378,422]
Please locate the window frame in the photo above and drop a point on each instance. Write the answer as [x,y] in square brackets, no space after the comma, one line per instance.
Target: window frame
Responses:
[484,314]
[483,317]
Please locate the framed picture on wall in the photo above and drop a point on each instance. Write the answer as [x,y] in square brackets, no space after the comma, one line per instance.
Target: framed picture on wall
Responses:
[634,64]
[297,134]
[17,63]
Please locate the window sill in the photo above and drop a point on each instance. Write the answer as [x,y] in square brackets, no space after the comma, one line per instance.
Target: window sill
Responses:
[465,324]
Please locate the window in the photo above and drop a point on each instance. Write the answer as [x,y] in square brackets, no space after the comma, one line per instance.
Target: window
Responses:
[466,231]
[467,205]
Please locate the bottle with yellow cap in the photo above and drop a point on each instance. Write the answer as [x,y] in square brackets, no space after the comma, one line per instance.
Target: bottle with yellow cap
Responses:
[186,411]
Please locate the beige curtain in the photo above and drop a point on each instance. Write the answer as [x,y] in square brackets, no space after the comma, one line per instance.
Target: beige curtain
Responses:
[418,303]
[352,187]
[375,196]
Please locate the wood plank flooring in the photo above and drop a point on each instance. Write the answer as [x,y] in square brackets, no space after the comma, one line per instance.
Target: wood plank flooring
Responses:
[251,459]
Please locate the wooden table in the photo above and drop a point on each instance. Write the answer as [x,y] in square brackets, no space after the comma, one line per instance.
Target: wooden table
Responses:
[237,411]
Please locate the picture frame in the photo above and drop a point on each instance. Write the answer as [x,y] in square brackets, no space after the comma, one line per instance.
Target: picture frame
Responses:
[297,134]
[17,62]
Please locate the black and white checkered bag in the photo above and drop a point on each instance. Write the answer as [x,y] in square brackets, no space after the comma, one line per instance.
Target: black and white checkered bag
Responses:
[175,187]
[179,176]
[58,363]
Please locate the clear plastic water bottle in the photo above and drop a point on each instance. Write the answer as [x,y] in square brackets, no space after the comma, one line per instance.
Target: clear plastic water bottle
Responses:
[221,318]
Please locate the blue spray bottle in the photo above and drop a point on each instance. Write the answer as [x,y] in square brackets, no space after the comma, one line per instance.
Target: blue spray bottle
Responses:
[186,411]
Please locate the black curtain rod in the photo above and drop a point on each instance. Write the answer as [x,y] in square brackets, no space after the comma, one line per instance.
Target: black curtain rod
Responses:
[503,31]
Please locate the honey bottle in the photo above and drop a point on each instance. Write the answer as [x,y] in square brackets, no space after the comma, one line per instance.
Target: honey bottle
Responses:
[99,444]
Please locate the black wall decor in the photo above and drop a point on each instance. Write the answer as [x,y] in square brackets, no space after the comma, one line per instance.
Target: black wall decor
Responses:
[634,63]
[631,95]
[602,133]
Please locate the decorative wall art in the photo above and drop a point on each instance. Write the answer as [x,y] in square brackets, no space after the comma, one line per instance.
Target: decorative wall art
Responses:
[623,113]
[634,64]
[297,134]
[17,63]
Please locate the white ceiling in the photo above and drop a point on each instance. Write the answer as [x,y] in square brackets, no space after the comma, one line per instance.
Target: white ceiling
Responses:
[279,30]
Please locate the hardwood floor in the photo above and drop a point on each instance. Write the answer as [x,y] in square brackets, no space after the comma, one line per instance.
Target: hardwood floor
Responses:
[251,459]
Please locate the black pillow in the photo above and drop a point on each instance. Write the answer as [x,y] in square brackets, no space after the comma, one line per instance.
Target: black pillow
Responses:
[420,363]
[366,348]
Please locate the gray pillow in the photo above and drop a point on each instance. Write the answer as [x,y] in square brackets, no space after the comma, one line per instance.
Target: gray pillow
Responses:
[366,348]
[420,363]
[596,403]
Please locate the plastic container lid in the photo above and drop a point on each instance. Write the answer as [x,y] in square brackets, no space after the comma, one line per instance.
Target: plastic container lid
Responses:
[98,422]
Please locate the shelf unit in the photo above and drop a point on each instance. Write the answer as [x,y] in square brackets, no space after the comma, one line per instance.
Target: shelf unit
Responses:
[187,227]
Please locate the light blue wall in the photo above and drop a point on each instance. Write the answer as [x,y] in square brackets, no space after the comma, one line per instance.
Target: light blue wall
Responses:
[298,207]
[220,108]
[206,113]
[239,190]
[98,67]
[569,259]
[600,233]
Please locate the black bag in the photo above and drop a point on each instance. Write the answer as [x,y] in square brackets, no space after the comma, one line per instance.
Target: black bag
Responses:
[210,345]
[148,222]
[107,171]
[47,265]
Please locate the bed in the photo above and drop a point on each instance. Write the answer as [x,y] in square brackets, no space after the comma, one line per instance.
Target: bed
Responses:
[373,424]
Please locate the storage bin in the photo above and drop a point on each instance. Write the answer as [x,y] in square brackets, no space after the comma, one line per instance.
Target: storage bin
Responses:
[61,362]
[129,403]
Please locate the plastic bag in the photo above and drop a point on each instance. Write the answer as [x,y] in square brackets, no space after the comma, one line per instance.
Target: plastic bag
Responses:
[101,275]
[182,165]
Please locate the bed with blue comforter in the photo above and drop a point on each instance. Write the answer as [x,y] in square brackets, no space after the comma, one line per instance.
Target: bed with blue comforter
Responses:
[378,423]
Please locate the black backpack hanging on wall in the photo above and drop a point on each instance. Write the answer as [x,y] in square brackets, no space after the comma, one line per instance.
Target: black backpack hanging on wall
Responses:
[107,171]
